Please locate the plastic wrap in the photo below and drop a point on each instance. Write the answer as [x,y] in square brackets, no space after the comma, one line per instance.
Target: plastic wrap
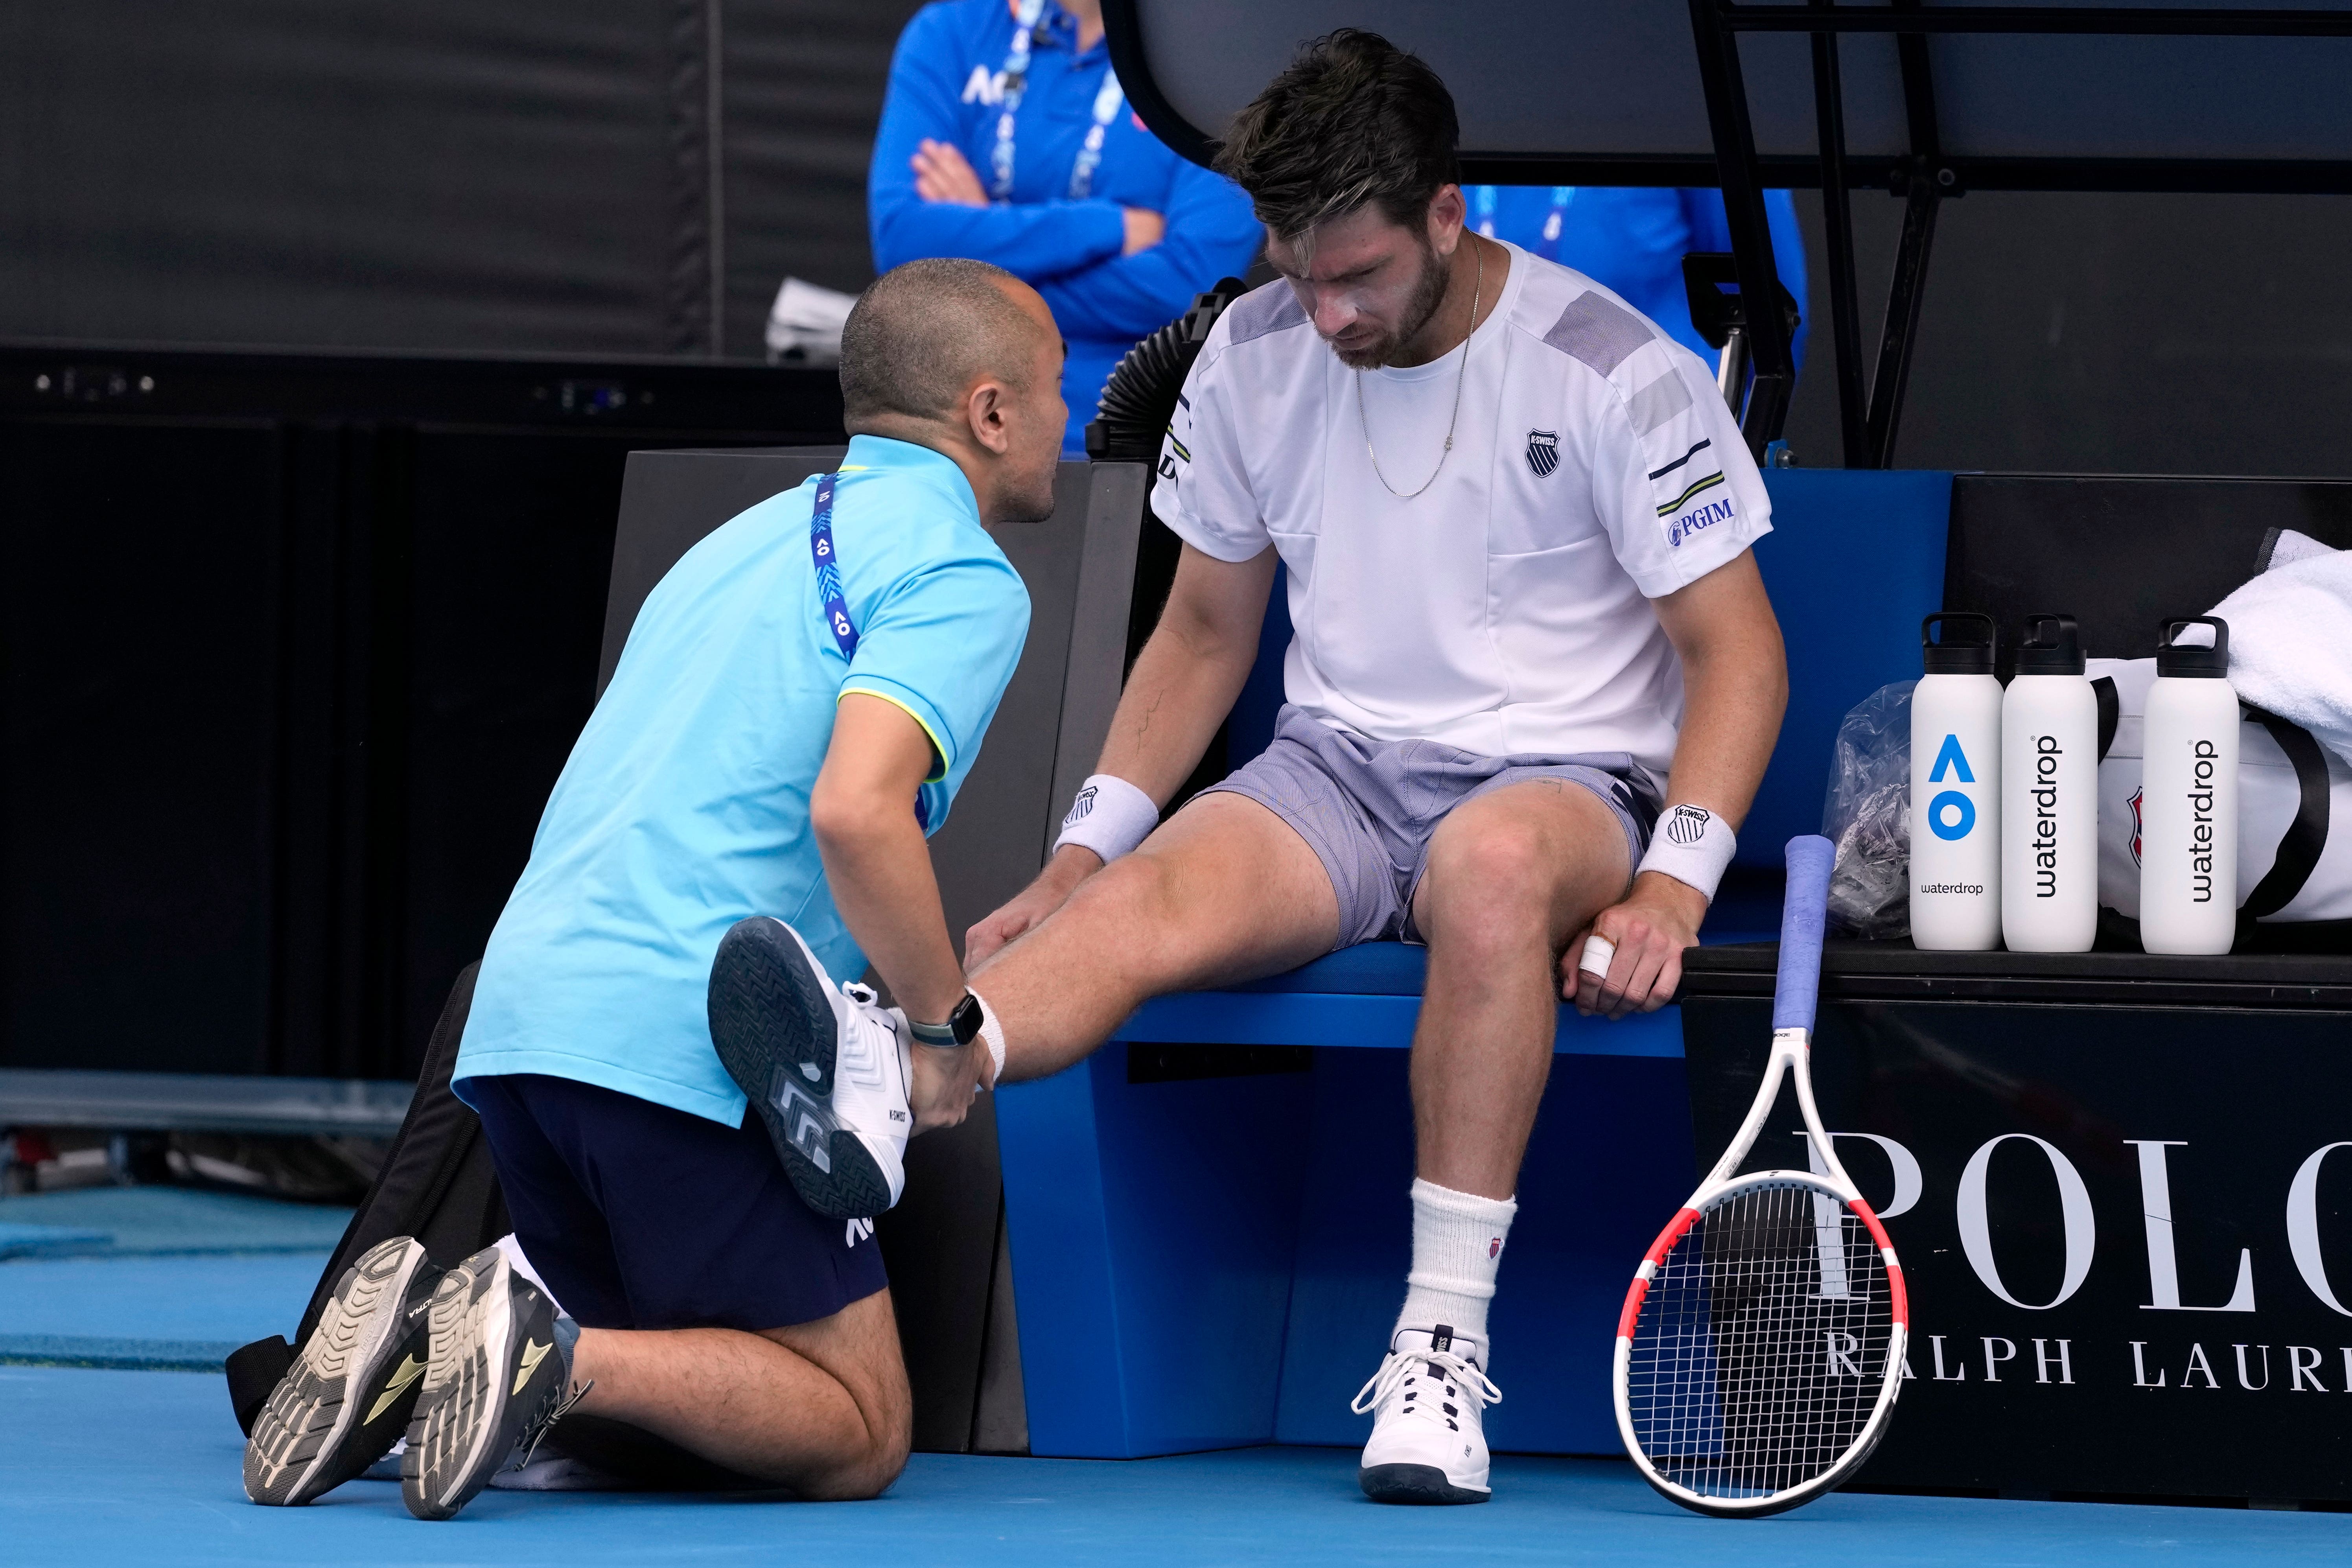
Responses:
[1867,815]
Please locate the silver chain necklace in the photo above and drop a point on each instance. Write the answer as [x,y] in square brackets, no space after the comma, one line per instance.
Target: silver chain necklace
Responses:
[1477,292]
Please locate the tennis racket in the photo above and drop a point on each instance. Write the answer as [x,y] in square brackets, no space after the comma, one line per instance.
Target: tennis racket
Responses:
[1762,1345]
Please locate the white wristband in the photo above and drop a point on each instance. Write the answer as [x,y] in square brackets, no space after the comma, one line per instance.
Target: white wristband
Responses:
[1110,817]
[1693,845]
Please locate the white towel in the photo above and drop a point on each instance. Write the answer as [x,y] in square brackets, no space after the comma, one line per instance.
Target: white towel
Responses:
[804,323]
[2291,639]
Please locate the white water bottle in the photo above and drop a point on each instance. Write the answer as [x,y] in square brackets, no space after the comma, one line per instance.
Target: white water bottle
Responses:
[1956,790]
[2188,797]
[2049,794]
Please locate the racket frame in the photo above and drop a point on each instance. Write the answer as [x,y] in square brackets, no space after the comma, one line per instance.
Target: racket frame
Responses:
[1792,1058]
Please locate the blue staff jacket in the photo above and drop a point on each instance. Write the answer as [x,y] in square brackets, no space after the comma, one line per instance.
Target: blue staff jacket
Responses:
[947,83]
[1633,241]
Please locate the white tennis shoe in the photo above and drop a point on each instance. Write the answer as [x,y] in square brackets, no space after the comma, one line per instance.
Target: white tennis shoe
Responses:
[825,1069]
[1429,1438]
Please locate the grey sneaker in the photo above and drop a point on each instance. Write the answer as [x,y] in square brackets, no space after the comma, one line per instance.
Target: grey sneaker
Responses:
[494,1379]
[347,1398]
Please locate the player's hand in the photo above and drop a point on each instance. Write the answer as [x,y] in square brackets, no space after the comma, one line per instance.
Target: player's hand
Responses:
[941,1090]
[1651,928]
[943,174]
[1071,865]
[1144,228]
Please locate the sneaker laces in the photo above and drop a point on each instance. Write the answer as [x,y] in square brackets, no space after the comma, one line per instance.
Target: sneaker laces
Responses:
[537,1432]
[1476,1387]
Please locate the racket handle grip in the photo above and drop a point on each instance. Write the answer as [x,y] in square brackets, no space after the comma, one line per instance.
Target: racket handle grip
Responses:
[1804,912]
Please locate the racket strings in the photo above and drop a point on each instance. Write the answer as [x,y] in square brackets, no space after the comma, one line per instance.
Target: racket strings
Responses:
[1761,1350]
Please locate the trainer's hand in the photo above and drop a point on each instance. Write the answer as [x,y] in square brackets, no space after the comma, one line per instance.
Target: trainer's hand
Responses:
[1071,865]
[1144,228]
[1651,928]
[943,174]
[944,1082]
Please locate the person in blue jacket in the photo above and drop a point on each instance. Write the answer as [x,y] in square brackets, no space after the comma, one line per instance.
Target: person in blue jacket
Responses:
[1005,138]
[1632,242]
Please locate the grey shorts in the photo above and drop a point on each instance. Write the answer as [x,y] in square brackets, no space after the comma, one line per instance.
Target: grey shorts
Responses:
[1367,808]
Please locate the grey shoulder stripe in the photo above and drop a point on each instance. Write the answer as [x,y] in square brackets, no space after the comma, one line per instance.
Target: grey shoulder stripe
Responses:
[1679,462]
[1262,312]
[1597,332]
[1657,403]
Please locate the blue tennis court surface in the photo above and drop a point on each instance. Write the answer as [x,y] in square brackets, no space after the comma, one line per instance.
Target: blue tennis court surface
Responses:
[142,1467]
[117,1222]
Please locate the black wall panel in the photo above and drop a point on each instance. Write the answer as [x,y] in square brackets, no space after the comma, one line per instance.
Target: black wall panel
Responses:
[291,650]
[142,721]
[432,175]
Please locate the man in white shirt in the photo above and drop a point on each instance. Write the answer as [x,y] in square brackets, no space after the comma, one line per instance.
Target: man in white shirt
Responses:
[1516,519]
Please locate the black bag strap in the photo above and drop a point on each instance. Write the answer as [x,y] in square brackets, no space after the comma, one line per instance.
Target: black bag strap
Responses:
[435,1183]
[2307,835]
[2111,712]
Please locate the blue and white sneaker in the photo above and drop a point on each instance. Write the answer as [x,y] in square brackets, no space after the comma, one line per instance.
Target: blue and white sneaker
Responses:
[826,1069]
[1429,1438]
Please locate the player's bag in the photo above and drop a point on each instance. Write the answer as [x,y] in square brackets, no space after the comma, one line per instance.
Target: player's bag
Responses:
[2294,816]
[437,1184]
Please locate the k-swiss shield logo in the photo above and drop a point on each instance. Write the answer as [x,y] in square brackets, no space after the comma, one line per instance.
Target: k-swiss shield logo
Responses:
[2134,803]
[1688,826]
[1543,452]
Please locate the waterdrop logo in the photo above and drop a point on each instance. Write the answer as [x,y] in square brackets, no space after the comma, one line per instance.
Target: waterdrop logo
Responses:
[1951,815]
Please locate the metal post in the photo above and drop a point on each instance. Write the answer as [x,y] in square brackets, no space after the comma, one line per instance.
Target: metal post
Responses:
[1927,183]
[1751,237]
[1900,335]
[1837,219]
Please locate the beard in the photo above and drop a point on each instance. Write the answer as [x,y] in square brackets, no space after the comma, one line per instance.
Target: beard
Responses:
[1428,294]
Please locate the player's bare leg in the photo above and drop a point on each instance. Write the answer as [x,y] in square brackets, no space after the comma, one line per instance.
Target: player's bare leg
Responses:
[1224,891]
[1511,877]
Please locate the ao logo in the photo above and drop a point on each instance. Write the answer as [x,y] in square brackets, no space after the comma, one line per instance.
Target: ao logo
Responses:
[1951,814]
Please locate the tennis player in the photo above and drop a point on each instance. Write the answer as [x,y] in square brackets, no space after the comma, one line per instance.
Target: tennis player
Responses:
[1533,683]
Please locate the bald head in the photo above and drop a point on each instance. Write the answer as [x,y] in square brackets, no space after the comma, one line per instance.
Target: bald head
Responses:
[923,333]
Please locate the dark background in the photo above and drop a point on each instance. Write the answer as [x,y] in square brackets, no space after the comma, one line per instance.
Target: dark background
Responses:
[497,176]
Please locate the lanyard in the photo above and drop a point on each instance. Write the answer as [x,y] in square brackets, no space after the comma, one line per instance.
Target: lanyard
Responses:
[836,607]
[828,577]
[1107,101]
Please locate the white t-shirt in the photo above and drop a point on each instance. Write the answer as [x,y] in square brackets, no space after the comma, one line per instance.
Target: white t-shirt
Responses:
[1504,609]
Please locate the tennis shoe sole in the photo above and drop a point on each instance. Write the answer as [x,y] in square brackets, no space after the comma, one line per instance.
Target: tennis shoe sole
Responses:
[1414,1484]
[773,1019]
[494,1377]
[348,1396]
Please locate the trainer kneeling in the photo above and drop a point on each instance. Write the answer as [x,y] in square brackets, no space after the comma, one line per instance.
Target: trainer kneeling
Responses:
[799,700]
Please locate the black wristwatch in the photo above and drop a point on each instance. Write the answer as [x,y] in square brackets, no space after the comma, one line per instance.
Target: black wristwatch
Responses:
[962,1028]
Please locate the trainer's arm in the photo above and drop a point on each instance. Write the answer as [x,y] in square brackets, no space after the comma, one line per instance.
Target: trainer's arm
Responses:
[1735,686]
[876,861]
[1183,685]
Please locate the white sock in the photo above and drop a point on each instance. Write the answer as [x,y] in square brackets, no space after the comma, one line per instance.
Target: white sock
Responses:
[1457,1250]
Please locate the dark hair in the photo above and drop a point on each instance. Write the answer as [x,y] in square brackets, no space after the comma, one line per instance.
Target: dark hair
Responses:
[1353,120]
[922,331]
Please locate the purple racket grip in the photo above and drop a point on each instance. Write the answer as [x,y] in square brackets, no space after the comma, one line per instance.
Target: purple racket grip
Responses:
[1803,913]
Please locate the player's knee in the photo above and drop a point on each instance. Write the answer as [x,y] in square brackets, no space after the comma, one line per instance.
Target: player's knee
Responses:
[1134,889]
[1498,871]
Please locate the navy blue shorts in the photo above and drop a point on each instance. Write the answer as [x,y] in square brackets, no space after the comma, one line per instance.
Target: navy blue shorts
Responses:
[639,1216]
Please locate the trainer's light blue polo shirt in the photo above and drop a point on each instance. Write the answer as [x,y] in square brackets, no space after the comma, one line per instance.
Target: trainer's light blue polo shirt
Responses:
[684,808]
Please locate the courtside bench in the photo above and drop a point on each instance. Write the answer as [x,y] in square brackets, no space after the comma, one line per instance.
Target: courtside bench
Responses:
[1208,1221]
